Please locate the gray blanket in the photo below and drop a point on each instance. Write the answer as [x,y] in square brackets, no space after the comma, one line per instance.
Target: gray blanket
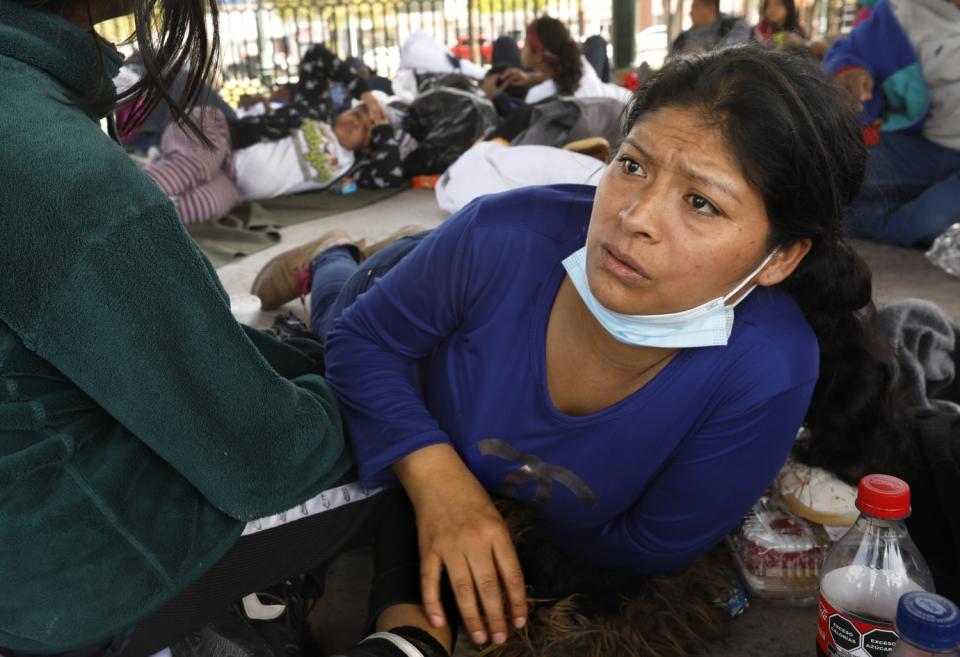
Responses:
[925,340]
[561,120]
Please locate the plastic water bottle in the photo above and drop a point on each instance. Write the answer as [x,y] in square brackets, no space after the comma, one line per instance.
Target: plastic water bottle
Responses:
[928,625]
[867,571]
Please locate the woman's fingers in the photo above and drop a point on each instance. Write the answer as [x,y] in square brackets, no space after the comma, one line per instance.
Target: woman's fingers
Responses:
[461,580]
[511,575]
[491,85]
[374,108]
[375,112]
[430,569]
[514,77]
[487,581]
[479,575]
[377,115]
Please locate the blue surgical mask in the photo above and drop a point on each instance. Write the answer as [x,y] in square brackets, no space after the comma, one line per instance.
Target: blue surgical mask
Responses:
[707,325]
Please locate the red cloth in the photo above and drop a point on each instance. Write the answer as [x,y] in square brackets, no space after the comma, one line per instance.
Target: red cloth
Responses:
[125,124]
[862,15]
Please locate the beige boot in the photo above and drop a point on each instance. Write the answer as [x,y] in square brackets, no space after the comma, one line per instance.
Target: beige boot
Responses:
[412,229]
[287,275]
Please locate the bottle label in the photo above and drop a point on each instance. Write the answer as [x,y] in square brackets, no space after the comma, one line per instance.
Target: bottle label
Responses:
[845,635]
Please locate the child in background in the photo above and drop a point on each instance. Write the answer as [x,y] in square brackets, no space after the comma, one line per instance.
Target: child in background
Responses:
[205,183]
[899,68]
[779,24]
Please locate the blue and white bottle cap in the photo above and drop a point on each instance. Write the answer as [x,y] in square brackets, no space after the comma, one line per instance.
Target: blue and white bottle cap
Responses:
[929,621]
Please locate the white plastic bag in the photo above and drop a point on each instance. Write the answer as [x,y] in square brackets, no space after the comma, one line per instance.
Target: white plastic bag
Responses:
[491,167]
[945,252]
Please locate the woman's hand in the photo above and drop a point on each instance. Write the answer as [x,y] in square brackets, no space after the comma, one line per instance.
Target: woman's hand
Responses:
[491,85]
[515,77]
[374,108]
[460,530]
[496,83]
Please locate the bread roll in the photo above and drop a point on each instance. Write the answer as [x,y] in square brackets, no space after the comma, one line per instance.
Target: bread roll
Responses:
[816,495]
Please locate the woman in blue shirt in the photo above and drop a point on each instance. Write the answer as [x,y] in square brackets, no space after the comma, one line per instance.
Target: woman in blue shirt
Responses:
[633,360]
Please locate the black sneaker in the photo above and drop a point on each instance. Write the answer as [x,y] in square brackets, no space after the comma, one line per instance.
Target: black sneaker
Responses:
[400,642]
[229,638]
[291,634]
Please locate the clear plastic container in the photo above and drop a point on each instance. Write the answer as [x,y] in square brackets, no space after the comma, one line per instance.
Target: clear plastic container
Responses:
[945,251]
[928,625]
[245,308]
[867,571]
[779,554]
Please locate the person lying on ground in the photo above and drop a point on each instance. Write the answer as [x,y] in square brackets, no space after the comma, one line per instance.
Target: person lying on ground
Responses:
[634,360]
[559,68]
[143,429]
[710,29]
[312,99]
[206,183]
[900,68]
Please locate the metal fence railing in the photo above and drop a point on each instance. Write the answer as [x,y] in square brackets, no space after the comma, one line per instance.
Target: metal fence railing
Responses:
[265,40]
[262,41]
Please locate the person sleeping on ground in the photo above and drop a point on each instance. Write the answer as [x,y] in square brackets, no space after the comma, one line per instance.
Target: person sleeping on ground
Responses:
[312,99]
[206,183]
[633,360]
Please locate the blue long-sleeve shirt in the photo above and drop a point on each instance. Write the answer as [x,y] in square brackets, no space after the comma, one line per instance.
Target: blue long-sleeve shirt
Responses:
[450,346]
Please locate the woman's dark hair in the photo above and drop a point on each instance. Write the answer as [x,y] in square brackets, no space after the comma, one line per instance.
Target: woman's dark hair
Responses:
[171,37]
[792,23]
[800,147]
[562,52]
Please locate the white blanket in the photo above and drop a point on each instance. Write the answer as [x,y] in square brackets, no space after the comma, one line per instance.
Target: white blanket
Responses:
[492,167]
[424,54]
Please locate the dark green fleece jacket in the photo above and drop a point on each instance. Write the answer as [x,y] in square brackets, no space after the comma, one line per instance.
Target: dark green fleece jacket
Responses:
[140,425]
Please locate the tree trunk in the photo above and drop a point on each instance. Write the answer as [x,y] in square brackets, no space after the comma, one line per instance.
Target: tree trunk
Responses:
[624,32]
[811,18]
[673,17]
[472,31]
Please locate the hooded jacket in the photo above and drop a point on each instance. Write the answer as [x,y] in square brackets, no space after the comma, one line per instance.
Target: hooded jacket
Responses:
[140,425]
[910,48]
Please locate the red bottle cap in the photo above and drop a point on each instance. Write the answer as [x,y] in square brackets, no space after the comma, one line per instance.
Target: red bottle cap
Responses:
[883,496]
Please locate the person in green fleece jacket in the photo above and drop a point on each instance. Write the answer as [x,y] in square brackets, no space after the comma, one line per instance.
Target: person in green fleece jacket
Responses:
[142,429]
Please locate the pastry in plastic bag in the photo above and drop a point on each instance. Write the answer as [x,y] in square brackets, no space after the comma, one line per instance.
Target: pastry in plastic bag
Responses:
[779,554]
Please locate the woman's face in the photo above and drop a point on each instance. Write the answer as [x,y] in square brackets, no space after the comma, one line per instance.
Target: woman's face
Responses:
[674,223]
[529,58]
[776,12]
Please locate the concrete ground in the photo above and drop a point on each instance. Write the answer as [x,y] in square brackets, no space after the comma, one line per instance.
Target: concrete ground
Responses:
[765,629]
